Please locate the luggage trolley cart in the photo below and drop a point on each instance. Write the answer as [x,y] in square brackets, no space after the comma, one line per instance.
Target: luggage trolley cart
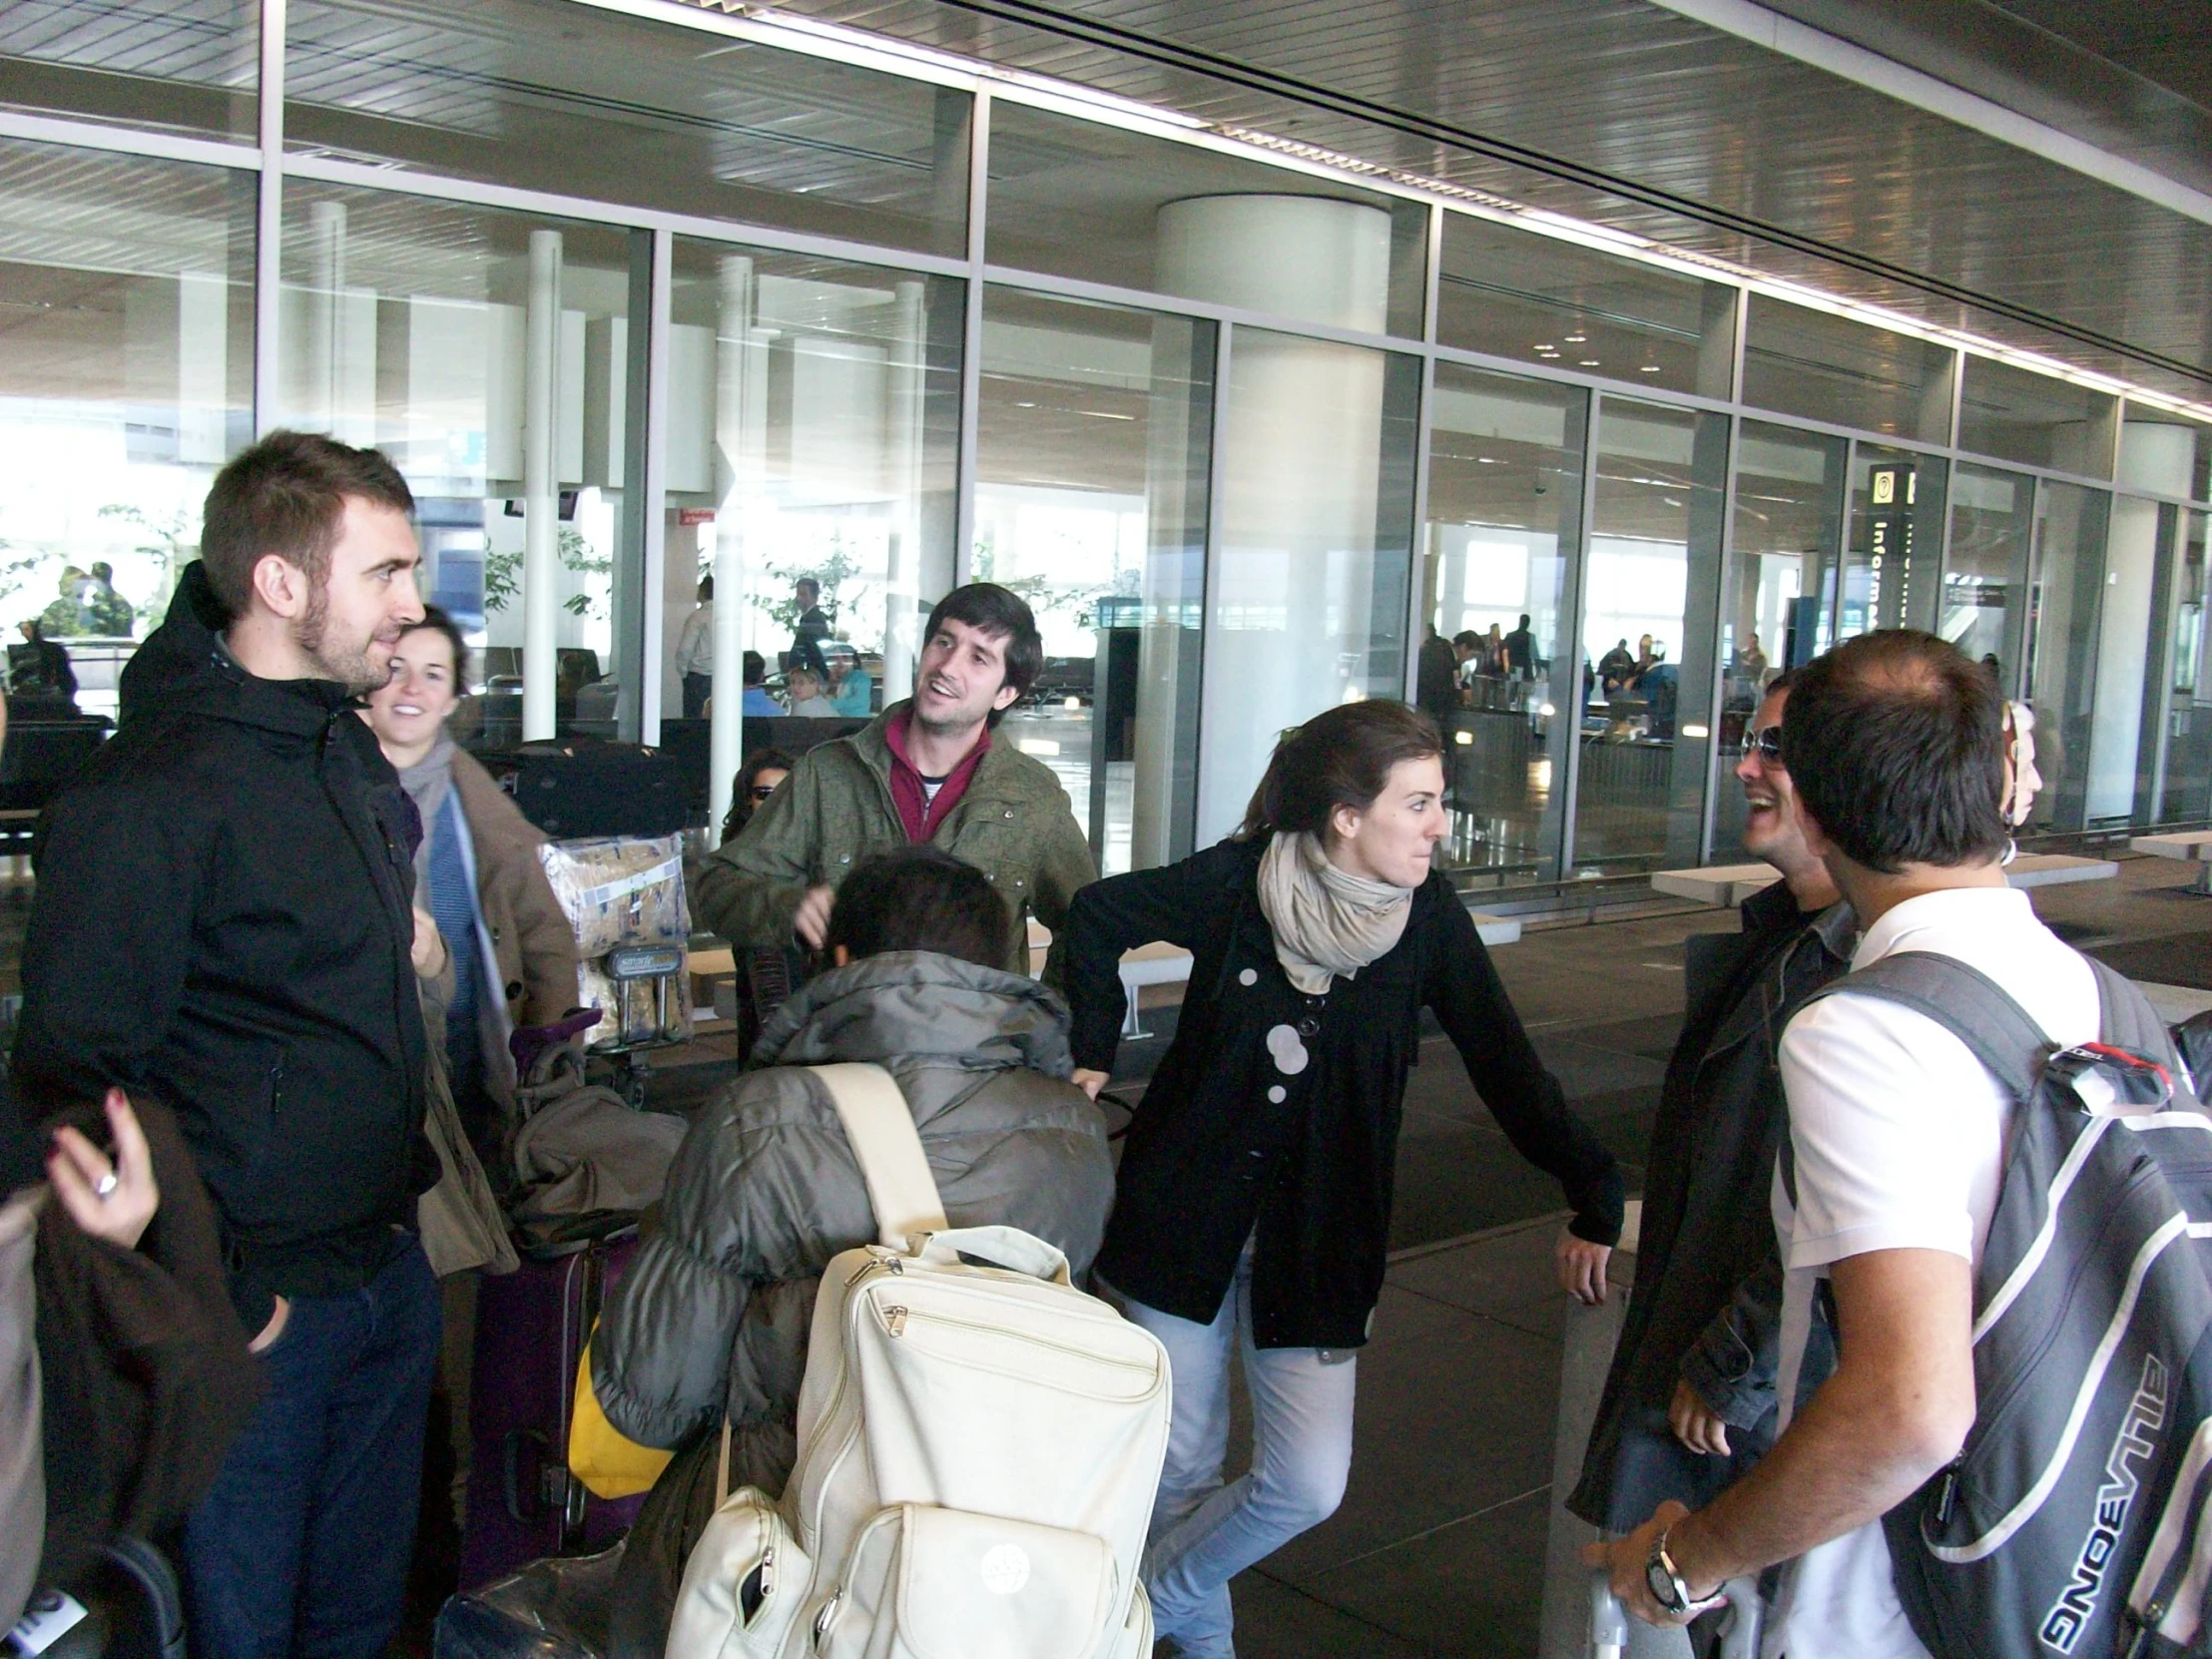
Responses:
[624,898]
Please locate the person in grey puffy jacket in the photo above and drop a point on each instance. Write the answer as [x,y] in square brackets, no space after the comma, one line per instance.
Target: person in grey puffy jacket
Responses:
[713,1313]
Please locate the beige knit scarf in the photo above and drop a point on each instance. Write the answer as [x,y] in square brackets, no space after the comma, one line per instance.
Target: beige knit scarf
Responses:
[1325,920]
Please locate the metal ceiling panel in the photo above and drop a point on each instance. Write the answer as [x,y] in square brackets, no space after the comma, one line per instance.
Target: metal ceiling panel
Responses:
[1625,114]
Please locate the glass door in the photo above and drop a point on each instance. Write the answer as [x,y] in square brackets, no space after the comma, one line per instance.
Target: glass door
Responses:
[2185,773]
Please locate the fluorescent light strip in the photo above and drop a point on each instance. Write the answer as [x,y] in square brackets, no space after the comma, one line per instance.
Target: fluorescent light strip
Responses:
[888,54]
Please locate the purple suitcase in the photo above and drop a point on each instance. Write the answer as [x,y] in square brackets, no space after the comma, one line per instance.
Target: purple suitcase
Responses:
[531,1326]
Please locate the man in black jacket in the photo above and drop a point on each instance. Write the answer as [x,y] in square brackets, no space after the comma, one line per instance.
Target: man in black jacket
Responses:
[1689,1404]
[225,924]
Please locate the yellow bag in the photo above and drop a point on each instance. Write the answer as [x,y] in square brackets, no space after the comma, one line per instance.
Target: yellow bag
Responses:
[606,1461]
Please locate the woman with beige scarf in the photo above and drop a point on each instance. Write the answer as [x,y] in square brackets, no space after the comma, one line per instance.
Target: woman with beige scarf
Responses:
[1253,1200]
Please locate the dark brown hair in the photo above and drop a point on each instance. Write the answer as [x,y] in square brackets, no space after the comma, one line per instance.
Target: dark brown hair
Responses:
[1002,614]
[1895,741]
[286,495]
[920,898]
[1340,758]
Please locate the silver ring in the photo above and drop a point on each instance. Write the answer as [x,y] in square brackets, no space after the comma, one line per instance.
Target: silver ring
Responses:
[104,1187]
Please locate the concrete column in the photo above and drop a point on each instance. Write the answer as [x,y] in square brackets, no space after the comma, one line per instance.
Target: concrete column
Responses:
[541,505]
[741,408]
[903,476]
[1287,616]
[1174,567]
[326,286]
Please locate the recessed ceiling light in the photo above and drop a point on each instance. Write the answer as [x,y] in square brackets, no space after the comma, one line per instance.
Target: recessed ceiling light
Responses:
[1547,346]
[1589,362]
[1648,368]
[1485,460]
[1574,339]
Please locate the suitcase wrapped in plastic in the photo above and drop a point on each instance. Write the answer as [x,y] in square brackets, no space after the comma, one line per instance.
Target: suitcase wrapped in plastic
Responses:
[554,1609]
[624,898]
[531,1327]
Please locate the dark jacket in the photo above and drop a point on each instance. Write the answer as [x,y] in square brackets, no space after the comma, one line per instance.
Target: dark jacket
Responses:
[1707,1296]
[223,923]
[1226,1138]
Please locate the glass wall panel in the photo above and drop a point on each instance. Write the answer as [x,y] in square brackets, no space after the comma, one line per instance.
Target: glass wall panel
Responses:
[1895,548]
[181,66]
[2062,671]
[1824,367]
[587,102]
[125,381]
[1992,525]
[2123,734]
[444,335]
[2165,454]
[1787,528]
[813,421]
[1652,590]
[1308,601]
[2016,415]
[1092,457]
[1080,200]
[1514,294]
[2185,778]
[1505,460]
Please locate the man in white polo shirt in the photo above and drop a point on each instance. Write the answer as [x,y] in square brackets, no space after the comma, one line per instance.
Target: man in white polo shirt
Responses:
[1896,1136]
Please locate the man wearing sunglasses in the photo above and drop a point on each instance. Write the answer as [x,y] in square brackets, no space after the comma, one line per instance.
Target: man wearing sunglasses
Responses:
[1690,1405]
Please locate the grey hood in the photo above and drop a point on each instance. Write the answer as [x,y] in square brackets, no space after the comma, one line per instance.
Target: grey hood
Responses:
[921,1006]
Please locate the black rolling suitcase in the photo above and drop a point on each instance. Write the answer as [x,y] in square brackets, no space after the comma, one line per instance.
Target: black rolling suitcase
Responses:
[581,789]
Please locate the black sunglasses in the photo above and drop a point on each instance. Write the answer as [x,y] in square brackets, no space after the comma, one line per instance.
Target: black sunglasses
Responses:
[1766,743]
[760,792]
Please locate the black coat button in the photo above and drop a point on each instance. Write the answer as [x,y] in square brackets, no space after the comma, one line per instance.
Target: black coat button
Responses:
[514,989]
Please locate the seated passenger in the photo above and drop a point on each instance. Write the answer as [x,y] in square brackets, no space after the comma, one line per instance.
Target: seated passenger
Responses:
[802,687]
[852,689]
[757,698]
[713,1314]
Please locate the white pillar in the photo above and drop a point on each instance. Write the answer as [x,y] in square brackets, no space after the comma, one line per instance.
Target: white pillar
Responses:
[1289,597]
[542,503]
[901,582]
[740,391]
[326,289]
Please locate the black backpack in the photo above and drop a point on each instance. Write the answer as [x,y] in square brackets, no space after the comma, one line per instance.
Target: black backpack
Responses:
[2071,1521]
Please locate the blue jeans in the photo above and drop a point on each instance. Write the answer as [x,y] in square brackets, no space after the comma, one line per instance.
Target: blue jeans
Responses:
[301,1545]
[1203,1532]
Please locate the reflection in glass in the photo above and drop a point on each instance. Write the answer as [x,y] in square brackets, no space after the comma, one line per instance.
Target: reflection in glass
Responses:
[2069,571]
[1090,500]
[2165,454]
[185,66]
[2185,780]
[1514,293]
[538,94]
[125,381]
[1895,549]
[1077,198]
[1993,521]
[1505,500]
[2138,551]
[812,429]
[450,337]
[1306,606]
[1651,589]
[1824,367]
[1788,522]
[2018,415]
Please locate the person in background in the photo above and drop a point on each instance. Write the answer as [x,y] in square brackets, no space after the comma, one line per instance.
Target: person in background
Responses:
[923,771]
[65,617]
[1751,662]
[1689,1405]
[758,702]
[803,686]
[1467,646]
[1520,652]
[1493,653]
[695,652]
[851,691]
[1253,1213]
[477,872]
[107,612]
[49,668]
[1646,658]
[757,780]
[710,1323]
[224,925]
[1616,668]
[811,630]
[1436,679]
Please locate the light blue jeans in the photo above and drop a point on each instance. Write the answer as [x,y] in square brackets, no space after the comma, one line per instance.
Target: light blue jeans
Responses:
[1203,1532]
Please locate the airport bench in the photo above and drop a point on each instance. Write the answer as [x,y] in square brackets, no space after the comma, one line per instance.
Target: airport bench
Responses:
[2190,846]
[1731,885]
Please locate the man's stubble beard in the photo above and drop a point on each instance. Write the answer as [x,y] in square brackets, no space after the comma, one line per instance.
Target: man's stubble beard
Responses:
[355,671]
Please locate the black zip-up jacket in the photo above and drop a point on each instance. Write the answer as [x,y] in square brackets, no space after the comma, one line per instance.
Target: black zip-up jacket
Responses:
[223,923]
[1234,1132]
[1707,1301]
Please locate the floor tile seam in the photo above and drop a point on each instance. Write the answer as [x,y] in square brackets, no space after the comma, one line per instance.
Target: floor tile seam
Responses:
[1360,1619]
[1427,1533]
[1487,1235]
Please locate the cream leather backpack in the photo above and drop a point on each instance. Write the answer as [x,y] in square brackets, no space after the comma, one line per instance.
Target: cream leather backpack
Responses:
[978,1444]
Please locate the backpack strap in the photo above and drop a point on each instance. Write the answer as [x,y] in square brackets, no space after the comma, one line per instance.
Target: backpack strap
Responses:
[1965,1001]
[880,1127]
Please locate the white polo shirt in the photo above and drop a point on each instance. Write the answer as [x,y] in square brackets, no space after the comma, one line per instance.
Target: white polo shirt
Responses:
[1899,1134]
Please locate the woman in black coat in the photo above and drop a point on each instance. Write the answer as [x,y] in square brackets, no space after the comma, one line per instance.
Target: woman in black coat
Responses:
[1254,1197]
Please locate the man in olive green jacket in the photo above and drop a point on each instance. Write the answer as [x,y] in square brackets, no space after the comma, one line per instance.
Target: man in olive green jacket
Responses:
[924,771]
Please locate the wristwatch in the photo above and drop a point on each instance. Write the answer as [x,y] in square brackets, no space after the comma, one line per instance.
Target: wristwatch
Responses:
[1667,1585]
